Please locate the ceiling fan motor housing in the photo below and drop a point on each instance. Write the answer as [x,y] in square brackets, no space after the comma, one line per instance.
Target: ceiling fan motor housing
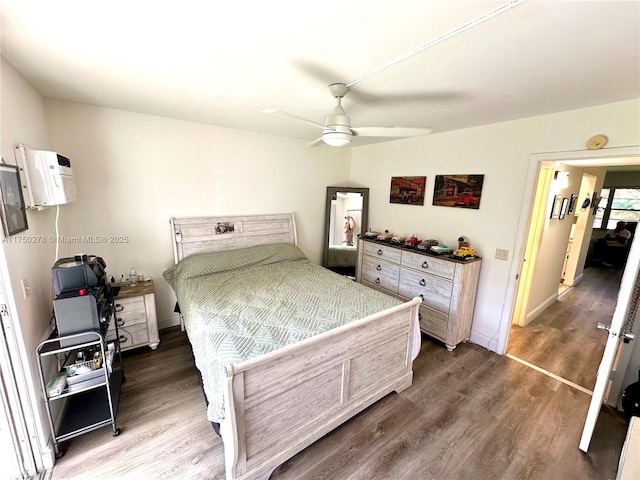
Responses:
[338,130]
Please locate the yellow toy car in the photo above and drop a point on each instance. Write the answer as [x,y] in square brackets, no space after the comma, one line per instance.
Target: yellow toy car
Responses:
[464,252]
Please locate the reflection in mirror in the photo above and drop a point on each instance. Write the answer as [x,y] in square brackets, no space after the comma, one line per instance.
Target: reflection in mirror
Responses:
[345,219]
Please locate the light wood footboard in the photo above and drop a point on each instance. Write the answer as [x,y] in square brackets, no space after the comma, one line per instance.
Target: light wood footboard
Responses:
[280,403]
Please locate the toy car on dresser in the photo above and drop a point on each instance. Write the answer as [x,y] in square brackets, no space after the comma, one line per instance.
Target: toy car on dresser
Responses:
[385,237]
[412,241]
[427,244]
[465,252]
[398,239]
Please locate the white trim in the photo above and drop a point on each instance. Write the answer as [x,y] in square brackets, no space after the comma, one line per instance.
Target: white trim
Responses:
[23,413]
[549,374]
[535,313]
[169,321]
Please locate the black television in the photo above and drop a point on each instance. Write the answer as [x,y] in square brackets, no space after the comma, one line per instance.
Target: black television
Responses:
[75,273]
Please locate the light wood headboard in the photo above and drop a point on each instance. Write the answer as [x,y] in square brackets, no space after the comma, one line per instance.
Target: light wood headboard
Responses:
[193,235]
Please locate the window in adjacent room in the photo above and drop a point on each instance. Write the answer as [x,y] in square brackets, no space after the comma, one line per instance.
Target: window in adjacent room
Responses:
[617,204]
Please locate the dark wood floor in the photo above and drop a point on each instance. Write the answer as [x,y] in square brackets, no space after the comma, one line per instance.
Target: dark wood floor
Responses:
[564,339]
[470,414]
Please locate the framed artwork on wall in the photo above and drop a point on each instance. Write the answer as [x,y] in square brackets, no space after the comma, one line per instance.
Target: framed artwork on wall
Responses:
[408,190]
[563,208]
[572,204]
[463,191]
[14,215]
[557,204]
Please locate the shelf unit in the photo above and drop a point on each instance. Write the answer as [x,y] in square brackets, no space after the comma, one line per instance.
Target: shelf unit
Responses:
[86,405]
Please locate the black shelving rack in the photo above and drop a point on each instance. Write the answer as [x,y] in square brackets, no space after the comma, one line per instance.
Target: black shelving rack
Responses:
[86,405]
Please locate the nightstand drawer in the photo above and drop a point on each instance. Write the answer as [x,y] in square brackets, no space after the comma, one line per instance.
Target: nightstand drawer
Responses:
[131,336]
[131,310]
[384,252]
[435,291]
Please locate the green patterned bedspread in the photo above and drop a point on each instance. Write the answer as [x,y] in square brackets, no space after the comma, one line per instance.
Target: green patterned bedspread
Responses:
[240,304]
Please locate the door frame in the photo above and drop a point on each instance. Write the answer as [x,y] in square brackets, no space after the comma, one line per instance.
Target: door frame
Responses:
[530,254]
[17,407]
[607,156]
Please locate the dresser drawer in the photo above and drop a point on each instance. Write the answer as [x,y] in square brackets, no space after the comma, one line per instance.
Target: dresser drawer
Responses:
[433,323]
[434,266]
[381,273]
[435,291]
[382,251]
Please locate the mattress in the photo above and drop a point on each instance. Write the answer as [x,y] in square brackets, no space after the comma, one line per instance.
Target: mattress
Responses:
[240,304]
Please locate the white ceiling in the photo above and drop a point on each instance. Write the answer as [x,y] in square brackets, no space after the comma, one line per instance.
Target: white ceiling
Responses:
[222,63]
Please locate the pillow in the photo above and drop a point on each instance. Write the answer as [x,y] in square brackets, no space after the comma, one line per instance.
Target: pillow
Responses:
[213,262]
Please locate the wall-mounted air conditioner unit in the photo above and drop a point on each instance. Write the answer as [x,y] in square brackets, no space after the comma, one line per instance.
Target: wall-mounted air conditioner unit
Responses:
[47,177]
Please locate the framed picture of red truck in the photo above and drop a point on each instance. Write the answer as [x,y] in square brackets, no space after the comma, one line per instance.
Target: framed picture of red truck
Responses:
[462,191]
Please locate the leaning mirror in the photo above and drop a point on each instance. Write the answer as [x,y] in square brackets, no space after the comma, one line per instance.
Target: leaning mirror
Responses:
[345,219]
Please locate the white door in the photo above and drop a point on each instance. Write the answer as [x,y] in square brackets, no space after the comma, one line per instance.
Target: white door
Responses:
[613,341]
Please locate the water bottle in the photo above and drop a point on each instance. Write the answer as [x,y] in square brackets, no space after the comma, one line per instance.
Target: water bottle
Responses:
[133,277]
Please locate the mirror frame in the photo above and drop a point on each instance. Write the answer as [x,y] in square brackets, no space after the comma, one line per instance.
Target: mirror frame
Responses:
[327,215]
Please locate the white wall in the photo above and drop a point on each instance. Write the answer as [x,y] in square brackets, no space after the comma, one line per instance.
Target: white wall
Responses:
[555,239]
[23,120]
[502,152]
[134,171]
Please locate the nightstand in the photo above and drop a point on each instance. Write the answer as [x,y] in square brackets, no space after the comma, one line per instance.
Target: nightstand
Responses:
[136,316]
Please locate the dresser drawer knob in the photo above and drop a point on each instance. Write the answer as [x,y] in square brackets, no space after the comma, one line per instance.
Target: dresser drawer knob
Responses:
[380,252]
[120,322]
[422,282]
[425,264]
[378,268]
[419,316]
[119,307]
[422,296]
[378,280]
[122,339]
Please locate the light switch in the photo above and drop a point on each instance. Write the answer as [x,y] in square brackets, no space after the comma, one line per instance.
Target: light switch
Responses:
[502,254]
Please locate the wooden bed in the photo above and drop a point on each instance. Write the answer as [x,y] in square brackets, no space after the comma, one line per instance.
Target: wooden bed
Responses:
[281,402]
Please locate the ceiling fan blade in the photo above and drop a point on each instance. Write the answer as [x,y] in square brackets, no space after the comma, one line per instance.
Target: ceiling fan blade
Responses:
[398,132]
[315,142]
[294,117]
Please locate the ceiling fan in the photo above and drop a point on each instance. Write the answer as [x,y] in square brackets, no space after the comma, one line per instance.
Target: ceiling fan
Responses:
[337,130]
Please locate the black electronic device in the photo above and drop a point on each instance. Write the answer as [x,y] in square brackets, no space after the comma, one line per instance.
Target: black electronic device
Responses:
[79,272]
[81,313]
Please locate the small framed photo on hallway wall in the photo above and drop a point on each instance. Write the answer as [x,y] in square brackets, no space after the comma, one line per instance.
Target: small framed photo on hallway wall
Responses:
[563,208]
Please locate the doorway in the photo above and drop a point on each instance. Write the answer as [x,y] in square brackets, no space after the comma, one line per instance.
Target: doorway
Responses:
[545,339]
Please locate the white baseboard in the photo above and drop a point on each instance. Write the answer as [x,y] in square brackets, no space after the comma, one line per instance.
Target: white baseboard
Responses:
[539,309]
[167,322]
[490,343]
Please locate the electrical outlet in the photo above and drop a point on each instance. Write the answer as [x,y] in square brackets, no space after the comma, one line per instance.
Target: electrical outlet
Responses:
[502,254]
[26,288]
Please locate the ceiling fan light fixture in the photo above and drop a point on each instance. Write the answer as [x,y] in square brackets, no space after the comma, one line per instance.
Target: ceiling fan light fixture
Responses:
[336,139]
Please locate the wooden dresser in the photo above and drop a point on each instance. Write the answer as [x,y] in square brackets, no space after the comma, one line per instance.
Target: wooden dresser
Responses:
[447,286]
[136,314]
